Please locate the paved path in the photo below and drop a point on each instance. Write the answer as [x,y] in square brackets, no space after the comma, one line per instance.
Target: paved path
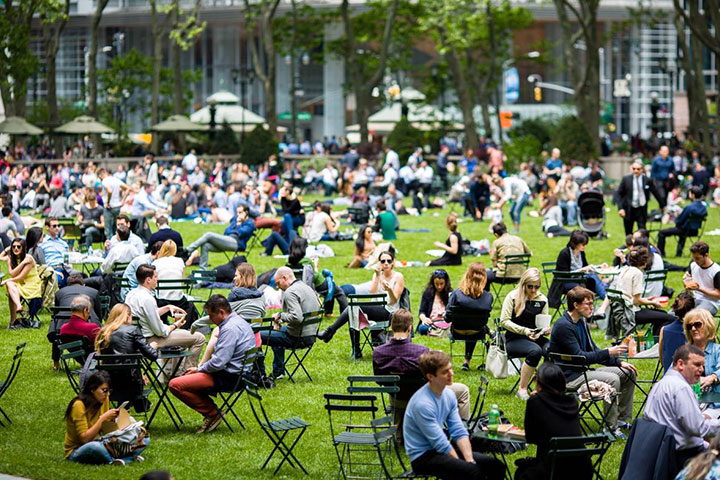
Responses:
[10,477]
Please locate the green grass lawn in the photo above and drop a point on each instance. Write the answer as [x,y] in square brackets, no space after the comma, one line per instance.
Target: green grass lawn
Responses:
[33,445]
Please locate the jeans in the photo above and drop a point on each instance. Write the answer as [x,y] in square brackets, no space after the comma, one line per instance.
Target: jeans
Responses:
[517,206]
[279,340]
[110,215]
[446,467]
[570,206]
[600,286]
[95,453]
[275,239]
[92,233]
[290,225]
[212,242]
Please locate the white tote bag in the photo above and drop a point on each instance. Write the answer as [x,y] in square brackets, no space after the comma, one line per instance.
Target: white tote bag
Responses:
[497,362]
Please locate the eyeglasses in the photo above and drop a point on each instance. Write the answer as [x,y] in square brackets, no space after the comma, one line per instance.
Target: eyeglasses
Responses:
[533,287]
[106,390]
[696,325]
[440,272]
[386,261]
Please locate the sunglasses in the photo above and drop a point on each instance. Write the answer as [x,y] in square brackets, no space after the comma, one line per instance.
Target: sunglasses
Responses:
[55,226]
[533,287]
[440,272]
[696,325]
[386,261]
[106,390]
[19,247]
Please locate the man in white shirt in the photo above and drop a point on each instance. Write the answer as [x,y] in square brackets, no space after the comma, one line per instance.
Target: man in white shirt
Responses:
[391,158]
[189,161]
[424,175]
[196,177]
[673,403]
[143,305]
[516,190]
[122,252]
[704,278]
[329,176]
[415,158]
[145,205]
[408,181]
[115,191]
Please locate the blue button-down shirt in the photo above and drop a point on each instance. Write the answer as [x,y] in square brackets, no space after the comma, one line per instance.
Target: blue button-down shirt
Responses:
[129,273]
[235,339]
[662,168]
[54,250]
[142,203]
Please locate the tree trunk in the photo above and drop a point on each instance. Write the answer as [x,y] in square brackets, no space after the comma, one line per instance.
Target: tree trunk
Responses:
[178,92]
[92,58]
[267,78]
[158,30]
[464,97]
[700,110]
[51,40]
[362,110]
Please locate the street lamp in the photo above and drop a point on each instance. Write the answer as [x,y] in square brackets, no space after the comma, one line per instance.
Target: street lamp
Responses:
[212,106]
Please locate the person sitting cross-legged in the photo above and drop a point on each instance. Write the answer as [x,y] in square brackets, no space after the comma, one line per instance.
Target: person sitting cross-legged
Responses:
[570,335]
[430,410]
[298,298]
[221,372]
[684,224]
[143,305]
[234,238]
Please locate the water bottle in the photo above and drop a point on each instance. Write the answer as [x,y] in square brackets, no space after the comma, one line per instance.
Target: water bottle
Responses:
[697,389]
[649,339]
[493,421]
[66,258]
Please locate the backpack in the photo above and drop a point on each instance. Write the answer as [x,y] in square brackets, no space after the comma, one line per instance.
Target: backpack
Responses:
[49,285]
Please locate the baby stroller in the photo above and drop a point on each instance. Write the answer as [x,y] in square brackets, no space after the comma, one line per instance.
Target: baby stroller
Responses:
[591,213]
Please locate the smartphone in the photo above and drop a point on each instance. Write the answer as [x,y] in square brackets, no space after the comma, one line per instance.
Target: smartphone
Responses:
[538,330]
[124,404]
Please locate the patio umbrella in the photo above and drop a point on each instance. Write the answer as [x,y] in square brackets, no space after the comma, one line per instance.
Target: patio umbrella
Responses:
[178,123]
[82,126]
[18,126]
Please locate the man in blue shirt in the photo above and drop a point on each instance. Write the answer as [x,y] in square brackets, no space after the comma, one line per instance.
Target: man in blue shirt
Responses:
[431,408]
[53,246]
[221,372]
[233,239]
[553,169]
[687,223]
[570,335]
[662,171]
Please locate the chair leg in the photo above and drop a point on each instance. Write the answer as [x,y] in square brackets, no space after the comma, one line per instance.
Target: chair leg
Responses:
[287,454]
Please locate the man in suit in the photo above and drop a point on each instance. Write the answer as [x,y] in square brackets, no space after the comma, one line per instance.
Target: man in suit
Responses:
[76,286]
[633,196]
[165,233]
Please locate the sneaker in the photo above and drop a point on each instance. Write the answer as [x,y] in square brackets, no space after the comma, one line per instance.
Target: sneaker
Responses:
[465,366]
[522,395]
[214,422]
[619,434]
[139,458]
[119,462]
[277,376]
[624,425]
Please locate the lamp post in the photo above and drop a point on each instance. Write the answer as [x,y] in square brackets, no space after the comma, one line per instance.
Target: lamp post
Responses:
[245,76]
[212,106]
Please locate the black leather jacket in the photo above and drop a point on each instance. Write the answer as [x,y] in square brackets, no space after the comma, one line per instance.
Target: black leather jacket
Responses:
[129,339]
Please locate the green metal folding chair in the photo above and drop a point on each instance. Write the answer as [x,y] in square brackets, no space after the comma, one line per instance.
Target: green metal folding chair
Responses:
[12,373]
[563,448]
[309,328]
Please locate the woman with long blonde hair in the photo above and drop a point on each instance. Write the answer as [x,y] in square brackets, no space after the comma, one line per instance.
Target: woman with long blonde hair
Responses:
[120,336]
[471,295]
[700,331]
[518,316]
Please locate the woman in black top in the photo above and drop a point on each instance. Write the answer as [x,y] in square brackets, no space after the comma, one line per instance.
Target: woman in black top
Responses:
[452,246]
[434,300]
[120,336]
[550,413]
[293,215]
[572,259]
[471,295]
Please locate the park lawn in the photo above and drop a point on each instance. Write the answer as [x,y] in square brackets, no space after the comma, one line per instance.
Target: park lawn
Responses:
[33,445]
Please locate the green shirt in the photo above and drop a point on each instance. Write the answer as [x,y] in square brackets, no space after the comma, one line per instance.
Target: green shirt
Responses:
[387,225]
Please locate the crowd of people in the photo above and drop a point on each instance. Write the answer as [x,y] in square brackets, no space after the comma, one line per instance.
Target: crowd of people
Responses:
[140,270]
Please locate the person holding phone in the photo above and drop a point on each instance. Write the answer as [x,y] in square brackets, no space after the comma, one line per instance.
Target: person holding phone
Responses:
[519,317]
[87,417]
[571,336]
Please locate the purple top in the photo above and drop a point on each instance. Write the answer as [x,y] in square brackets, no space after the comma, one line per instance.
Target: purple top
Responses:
[398,356]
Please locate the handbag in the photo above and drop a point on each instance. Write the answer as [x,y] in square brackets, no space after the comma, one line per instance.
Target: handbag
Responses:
[497,361]
[125,441]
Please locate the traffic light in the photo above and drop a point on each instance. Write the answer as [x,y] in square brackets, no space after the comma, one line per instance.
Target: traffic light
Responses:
[537,93]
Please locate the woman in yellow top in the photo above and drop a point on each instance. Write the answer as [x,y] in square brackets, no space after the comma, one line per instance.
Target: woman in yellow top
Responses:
[85,417]
[24,281]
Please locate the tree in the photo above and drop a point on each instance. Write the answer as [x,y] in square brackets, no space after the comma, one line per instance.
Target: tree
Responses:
[585,75]
[405,138]
[259,144]
[17,60]
[92,57]
[363,76]
[259,16]
[574,140]
[158,29]
[474,41]
[53,24]
[690,15]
